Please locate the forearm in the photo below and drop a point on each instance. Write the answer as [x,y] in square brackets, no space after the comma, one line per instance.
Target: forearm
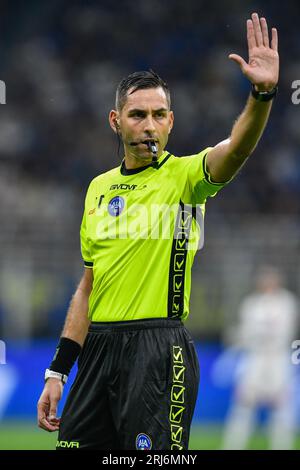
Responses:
[227,157]
[77,322]
[248,128]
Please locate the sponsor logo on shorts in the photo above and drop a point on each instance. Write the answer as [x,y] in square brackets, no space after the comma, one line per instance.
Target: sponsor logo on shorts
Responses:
[143,442]
[116,205]
[67,444]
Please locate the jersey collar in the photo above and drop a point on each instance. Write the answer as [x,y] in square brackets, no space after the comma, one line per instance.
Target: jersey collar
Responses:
[126,172]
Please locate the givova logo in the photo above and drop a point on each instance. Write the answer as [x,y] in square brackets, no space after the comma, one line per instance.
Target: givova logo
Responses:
[67,444]
[143,442]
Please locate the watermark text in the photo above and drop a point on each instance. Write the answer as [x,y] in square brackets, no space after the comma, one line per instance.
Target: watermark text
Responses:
[2,352]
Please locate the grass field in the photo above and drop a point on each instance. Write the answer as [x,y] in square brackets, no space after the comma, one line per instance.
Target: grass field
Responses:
[25,436]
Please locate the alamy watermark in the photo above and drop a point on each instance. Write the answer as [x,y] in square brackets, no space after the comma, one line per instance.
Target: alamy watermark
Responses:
[295,358]
[2,352]
[157,221]
[296,93]
[2,92]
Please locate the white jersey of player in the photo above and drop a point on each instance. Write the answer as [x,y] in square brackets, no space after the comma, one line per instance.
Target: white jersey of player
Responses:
[267,328]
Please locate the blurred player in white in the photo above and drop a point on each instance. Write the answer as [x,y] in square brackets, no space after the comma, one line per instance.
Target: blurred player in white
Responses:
[268,322]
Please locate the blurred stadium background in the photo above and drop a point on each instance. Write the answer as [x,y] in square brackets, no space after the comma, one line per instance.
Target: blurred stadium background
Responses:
[61,62]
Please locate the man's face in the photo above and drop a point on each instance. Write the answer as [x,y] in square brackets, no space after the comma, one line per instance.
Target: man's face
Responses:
[145,116]
[268,281]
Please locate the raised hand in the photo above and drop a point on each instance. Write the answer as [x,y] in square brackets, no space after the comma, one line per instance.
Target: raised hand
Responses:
[262,68]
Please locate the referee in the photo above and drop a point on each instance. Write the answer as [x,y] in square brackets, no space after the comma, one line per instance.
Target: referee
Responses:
[138,372]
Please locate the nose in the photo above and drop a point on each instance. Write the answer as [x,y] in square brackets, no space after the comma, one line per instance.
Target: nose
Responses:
[149,126]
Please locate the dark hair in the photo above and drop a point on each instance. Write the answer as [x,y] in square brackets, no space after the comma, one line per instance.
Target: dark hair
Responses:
[139,81]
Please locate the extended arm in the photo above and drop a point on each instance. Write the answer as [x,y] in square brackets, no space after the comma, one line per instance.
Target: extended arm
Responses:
[225,159]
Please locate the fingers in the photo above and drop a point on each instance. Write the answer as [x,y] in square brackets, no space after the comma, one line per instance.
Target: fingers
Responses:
[257,29]
[265,33]
[258,33]
[52,421]
[274,42]
[47,407]
[43,422]
[250,35]
[42,410]
[53,410]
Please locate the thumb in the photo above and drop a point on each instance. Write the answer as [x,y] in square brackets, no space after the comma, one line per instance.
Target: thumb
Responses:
[238,60]
[53,409]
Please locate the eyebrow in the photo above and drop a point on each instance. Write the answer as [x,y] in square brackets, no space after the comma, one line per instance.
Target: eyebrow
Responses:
[137,110]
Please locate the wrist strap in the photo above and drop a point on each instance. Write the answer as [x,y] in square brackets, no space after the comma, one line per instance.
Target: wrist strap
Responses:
[50,374]
[264,95]
[65,356]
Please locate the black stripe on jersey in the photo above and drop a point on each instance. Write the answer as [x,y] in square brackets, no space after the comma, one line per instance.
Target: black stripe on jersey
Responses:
[88,264]
[132,171]
[178,260]
[197,213]
[163,161]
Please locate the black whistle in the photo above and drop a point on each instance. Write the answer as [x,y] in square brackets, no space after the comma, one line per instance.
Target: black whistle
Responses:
[153,148]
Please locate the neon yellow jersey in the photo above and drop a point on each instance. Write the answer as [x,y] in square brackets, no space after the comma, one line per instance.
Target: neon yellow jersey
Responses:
[140,231]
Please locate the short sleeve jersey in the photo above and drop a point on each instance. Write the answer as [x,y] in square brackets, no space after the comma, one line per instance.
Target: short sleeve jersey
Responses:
[140,231]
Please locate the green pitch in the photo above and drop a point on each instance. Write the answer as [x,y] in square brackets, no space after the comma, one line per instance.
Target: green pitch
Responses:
[25,436]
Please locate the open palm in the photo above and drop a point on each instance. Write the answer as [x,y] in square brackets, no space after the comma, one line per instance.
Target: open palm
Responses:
[262,68]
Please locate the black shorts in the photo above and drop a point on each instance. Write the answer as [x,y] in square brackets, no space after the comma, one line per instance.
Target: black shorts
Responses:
[136,388]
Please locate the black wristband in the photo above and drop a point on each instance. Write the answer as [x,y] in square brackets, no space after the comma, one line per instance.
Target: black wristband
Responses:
[264,95]
[65,356]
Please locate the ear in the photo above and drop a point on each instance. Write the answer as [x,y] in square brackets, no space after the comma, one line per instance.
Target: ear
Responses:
[114,121]
[171,121]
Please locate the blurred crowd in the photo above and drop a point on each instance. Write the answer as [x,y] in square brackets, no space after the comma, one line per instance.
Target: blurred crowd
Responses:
[62,61]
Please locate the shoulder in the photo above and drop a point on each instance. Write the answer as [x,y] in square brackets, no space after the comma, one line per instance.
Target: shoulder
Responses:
[103,178]
[187,160]
[106,175]
[289,296]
